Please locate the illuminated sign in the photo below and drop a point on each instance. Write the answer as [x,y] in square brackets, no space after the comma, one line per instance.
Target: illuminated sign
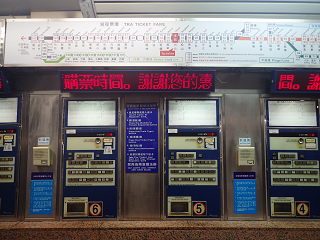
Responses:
[1,83]
[296,81]
[4,87]
[138,81]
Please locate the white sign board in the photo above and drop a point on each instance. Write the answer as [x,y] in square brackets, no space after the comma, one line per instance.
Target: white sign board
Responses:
[8,110]
[244,141]
[42,141]
[163,42]
[292,113]
[192,112]
[91,113]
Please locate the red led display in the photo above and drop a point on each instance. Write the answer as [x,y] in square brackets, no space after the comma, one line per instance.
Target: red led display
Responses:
[296,81]
[137,81]
[1,83]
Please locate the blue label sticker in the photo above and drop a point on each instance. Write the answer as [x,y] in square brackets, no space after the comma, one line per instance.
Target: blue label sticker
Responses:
[41,193]
[245,201]
[142,137]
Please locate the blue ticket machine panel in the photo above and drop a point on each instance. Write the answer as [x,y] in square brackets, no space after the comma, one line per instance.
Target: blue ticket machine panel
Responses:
[90,161]
[293,159]
[193,159]
[9,149]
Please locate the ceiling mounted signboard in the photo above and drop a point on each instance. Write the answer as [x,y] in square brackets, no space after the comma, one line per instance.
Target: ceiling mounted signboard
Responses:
[163,42]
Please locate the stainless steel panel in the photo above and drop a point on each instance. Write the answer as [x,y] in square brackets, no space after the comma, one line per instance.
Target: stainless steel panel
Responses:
[141,192]
[44,117]
[2,37]
[243,120]
[208,7]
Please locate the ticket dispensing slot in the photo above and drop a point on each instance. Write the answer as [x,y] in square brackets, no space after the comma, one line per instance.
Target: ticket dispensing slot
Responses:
[75,206]
[179,206]
[282,207]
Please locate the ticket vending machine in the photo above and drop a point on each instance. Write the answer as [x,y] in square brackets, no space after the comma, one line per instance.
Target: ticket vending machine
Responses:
[90,160]
[293,159]
[193,159]
[9,155]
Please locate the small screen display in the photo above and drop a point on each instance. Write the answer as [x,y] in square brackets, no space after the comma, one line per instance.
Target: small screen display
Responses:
[179,207]
[282,208]
[137,81]
[76,208]
[297,81]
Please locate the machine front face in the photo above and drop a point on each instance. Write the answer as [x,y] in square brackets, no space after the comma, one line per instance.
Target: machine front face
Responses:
[193,159]
[90,160]
[293,159]
[9,149]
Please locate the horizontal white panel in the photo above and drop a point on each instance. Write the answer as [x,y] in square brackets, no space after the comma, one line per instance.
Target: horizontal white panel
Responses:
[208,7]
[163,42]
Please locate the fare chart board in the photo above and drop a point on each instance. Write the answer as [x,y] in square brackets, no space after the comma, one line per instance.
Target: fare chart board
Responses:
[163,42]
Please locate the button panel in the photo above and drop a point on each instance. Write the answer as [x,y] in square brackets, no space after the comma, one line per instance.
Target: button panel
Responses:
[102,164]
[96,177]
[294,177]
[180,163]
[204,163]
[77,164]
[187,176]
[7,160]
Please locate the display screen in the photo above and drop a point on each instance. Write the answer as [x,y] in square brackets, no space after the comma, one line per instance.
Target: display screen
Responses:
[296,81]
[8,110]
[192,112]
[292,113]
[1,83]
[91,113]
[137,81]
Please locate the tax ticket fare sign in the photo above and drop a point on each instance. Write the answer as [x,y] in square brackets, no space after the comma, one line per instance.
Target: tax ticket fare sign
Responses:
[245,200]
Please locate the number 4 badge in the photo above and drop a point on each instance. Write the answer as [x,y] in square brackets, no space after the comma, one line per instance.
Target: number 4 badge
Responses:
[302,209]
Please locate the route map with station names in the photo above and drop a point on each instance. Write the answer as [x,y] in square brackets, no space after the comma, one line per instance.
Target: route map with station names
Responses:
[163,42]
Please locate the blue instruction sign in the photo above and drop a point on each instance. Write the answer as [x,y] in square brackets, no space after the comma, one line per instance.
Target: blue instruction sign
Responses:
[41,193]
[245,200]
[142,137]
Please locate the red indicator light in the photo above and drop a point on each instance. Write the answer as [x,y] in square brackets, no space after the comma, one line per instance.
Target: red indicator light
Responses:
[311,134]
[109,134]
[9,131]
[210,134]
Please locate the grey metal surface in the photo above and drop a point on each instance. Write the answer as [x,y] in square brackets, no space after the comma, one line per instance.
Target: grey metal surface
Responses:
[24,7]
[277,7]
[44,118]
[243,120]
[141,192]
[2,38]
